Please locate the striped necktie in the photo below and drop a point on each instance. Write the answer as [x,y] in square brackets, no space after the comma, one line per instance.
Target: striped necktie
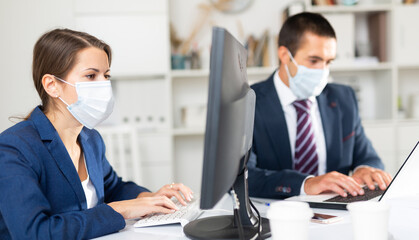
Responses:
[305,159]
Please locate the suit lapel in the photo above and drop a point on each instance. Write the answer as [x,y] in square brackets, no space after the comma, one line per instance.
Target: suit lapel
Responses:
[58,152]
[64,162]
[92,165]
[330,114]
[276,125]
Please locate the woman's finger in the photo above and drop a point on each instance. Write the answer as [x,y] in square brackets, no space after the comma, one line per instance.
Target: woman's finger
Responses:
[177,195]
[165,202]
[160,209]
[186,191]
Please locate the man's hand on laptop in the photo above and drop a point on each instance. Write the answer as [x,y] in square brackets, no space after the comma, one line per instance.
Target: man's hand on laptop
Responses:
[335,182]
[371,176]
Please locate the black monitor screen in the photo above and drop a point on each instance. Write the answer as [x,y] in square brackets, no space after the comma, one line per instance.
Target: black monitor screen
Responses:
[230,101]
[228,142]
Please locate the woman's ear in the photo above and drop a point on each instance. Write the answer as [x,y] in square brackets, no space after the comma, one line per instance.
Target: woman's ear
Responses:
[50,85]
[283,55]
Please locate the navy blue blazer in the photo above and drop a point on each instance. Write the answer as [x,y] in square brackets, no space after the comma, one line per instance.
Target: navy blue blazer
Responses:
[270,165]
[41,196]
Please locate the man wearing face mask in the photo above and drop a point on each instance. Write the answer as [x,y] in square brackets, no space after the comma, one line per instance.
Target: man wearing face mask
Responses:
[308,135]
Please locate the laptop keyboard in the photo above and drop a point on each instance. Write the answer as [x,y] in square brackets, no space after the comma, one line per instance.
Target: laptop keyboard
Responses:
[369,194]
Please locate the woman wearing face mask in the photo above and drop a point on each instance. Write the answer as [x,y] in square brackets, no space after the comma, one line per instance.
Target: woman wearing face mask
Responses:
[55,180]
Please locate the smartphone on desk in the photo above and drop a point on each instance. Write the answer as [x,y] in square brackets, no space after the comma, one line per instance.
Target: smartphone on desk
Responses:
[325,218]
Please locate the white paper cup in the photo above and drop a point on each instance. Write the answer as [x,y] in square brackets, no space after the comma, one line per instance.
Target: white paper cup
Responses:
[289,220]
[369,220]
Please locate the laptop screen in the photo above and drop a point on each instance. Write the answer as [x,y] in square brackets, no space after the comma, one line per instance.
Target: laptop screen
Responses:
[406,180]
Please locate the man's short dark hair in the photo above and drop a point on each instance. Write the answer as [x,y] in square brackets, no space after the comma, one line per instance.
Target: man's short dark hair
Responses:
[294,28]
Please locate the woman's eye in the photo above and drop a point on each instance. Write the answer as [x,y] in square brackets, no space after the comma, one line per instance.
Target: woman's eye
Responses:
[90,76]
[108,77]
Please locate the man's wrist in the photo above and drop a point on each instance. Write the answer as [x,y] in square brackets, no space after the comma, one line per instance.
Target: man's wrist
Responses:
[302,192]
[360,167]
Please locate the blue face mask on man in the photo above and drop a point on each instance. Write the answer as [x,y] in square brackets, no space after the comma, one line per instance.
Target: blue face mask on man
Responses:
[307,82]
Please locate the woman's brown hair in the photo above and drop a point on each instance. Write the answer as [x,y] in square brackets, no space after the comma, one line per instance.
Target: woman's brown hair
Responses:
[55,53]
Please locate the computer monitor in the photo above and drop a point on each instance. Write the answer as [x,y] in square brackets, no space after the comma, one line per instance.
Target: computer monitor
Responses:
[228,142]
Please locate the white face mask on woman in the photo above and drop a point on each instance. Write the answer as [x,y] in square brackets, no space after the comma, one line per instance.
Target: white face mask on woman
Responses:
[94,102]
[307,82]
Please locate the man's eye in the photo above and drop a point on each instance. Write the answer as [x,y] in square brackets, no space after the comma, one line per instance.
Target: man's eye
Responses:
[108,77]
[313,61]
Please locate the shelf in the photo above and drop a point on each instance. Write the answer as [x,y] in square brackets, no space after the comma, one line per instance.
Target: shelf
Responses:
[378,123]
[390,122]
[351,9]
[201,73]
[409,121]
[190,73]
[139,76]
[261,70]
[152,132]
[188,132]
[359,67]
[408,67]
[140,130]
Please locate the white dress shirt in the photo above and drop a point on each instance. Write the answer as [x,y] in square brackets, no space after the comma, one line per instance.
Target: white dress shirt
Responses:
[89,190]
[287,97]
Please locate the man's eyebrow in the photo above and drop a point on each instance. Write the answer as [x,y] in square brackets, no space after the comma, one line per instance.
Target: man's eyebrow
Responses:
[316,57]
[320,58]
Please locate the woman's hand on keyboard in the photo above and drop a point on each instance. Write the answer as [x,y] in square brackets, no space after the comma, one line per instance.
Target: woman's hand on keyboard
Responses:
[172,190]
[140,207]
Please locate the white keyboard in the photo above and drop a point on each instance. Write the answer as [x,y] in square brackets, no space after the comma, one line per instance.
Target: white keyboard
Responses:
[184,215]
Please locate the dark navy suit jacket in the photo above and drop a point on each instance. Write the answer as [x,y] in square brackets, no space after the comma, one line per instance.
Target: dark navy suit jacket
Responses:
[41,196]
[270,167]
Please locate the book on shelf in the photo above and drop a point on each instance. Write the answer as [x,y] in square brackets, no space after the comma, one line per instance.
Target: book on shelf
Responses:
[260,50]
[337,2]
[324,2]
[320,2]
[377,30]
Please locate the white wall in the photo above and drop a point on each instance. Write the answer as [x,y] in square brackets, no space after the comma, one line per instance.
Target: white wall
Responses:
[22,22]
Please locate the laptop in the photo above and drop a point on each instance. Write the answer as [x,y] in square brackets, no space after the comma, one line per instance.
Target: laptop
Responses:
[404,183]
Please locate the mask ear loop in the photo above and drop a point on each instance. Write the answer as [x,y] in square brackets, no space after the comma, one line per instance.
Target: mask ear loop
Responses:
[63,101]
[286,66]
[292,58]
[66,83]
[62,80]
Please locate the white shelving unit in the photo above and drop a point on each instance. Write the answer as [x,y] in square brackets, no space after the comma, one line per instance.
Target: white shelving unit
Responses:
[393,132]
[380,85]
[372,7]
[191,86]
[150,97]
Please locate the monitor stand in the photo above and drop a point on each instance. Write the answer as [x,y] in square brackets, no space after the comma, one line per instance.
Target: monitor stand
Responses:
[225,227]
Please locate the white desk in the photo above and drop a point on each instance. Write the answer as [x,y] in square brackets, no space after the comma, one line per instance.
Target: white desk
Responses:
[404,224]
